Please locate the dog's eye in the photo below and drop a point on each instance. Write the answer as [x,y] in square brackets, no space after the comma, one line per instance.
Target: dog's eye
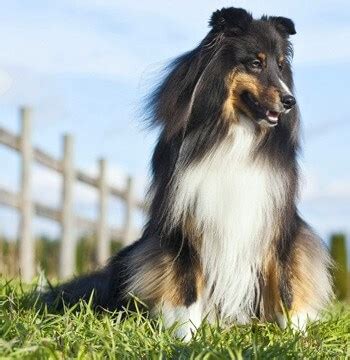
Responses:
[255,64]
[280,65]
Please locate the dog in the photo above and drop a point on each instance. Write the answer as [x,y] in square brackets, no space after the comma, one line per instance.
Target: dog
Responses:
[224,239]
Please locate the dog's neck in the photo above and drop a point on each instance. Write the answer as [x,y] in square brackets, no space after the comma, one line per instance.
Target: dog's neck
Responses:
[234,200]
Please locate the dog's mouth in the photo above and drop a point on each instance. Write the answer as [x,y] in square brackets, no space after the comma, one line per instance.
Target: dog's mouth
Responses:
[259,111]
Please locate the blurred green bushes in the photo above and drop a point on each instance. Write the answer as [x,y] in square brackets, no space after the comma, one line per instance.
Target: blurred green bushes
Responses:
[340,272]
[47,252]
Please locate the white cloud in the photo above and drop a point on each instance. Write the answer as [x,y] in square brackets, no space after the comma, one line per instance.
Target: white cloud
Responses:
[65,48]
[316,45]
[5,82]
[144,33]
[325,205]
[315,188]
[340,188]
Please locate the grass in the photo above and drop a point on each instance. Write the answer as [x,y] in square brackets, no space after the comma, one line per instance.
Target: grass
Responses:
[29,333]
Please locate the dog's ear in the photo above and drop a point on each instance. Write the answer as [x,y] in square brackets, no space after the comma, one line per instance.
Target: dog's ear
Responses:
[283,25]
[233,20]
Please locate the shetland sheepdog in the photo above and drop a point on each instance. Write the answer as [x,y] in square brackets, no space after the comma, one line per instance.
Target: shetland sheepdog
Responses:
[224,239]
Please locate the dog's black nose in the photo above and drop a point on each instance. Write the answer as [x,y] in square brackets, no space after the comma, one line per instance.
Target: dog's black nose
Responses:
[288,101]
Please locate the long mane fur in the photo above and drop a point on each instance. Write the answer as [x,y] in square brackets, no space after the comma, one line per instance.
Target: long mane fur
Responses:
[195,147]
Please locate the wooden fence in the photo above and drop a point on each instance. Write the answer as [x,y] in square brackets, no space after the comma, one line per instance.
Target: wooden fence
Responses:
[69,221]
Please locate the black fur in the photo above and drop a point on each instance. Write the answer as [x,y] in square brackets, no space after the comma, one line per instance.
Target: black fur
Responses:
[232,20]
[188,104]
[284,25]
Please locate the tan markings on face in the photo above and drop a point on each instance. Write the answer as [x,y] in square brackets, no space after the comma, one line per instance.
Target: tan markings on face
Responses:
[262,57]
[271,95]
[281,60]
[239,82]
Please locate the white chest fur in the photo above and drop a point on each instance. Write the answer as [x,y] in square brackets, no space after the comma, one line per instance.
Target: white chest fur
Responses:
[235,201]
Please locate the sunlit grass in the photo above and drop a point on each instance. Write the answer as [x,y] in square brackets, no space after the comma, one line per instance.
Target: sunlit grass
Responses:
[28,332]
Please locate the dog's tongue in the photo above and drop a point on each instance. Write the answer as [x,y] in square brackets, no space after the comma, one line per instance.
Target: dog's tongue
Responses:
[272,115]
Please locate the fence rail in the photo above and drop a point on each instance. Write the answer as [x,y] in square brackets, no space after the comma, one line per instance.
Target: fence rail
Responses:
[69,221]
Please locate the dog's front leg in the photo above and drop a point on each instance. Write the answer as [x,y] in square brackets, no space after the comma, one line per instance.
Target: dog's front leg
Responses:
[186,319]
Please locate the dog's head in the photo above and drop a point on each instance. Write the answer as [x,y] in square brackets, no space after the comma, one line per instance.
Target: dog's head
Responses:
[259,53]
[241,67]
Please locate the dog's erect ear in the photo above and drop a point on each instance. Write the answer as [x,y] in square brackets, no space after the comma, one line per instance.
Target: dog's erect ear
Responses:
[284,25]
[231,19]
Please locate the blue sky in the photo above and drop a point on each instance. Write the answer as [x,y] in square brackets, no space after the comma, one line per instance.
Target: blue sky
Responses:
[86,65]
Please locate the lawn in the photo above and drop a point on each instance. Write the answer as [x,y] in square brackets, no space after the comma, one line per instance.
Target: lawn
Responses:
[28,333]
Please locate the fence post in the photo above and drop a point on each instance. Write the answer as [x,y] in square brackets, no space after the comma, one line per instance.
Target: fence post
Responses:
[26,241]
[68,244]
[103,244]
[129,202]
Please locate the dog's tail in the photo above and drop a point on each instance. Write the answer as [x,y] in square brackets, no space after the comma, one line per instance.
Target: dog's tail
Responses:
[94,287]
[104,288]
